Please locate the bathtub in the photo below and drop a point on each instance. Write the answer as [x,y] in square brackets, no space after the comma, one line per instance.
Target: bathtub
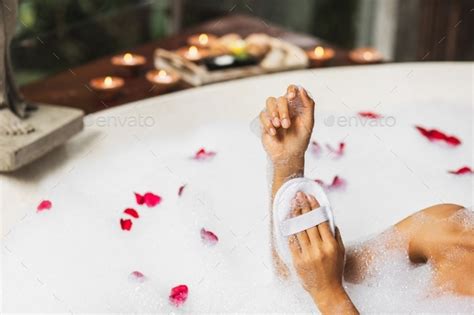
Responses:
[75,257]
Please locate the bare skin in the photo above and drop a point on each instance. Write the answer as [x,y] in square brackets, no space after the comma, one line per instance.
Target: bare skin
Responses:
[428,236]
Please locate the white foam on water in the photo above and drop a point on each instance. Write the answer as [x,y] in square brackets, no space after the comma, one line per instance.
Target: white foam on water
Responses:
[76,258]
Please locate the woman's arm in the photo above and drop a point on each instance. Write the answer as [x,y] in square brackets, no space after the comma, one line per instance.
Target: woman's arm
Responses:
[287,123]
[318,257]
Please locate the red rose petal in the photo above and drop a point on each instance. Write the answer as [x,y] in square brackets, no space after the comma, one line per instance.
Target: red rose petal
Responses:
[139,198]
[44,205]
[436,135]
[178,295]
[151,199]
[137,276]
[208,237]
[180,190]
[132,212]
[126,224]
[370,115]
[340,150]
[202,154]
[336,183]
[316,148]
[462,171]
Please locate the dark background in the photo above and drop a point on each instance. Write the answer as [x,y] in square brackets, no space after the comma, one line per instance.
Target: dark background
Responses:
[54,35]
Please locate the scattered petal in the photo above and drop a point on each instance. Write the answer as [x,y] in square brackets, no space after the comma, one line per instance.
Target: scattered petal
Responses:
[316,148]
[132,212]
[337,152]
[462,171]
[337,183]
[126,224]
[202,154]
[44,205]
[139,198]
[137,276]
[370,115]
[151,199]
[180,190]
[178,295]
[436,135]
[209,237]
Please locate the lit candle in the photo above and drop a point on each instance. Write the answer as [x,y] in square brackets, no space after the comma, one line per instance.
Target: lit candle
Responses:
[365,55]
[320,54]
[192,53]
[107,87]
[163,78]
[129,61]
[202,40]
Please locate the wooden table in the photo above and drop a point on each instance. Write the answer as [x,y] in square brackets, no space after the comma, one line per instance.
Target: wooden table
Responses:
[70,88]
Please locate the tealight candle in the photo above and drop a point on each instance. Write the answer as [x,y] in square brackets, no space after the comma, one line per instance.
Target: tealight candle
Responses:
[192,53]
[320,54]
[129,61]
[202,40]
[163,78]
[365,55]
[107,87]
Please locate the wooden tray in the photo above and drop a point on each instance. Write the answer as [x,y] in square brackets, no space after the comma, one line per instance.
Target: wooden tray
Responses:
[282,56]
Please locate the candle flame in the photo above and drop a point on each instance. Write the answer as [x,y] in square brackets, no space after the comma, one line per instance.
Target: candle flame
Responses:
[319,52]
[128,57]
[108,81]
[193,51]
[203,39]
[367,55]
[162,73]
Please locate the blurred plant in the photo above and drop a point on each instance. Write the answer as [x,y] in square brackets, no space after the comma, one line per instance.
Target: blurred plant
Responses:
[79,31]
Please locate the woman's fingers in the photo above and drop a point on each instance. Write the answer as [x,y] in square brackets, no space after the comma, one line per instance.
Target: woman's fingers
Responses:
[313,232]
[282,104]
[339,239]
[302,237]
[291,91]
[272,110]
[325,232]
[294,247]
[266,123]
[307,100]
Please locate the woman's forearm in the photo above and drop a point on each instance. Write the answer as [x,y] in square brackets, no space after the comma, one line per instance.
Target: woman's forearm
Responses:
[335,301]
[285,171]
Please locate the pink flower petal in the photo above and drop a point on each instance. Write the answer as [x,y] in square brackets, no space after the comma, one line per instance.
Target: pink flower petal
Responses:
[209,237]
[462,171]
[132,212]
[181,189]
[179,295]
[436,135]
[126,224]
[370,115]
[151,199]
[337,152]
[336,183]
[139,198]
[202,154]
[316,148]
[137,276]
[44,205]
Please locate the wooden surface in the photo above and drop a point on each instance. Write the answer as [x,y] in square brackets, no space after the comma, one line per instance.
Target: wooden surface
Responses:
[70,88]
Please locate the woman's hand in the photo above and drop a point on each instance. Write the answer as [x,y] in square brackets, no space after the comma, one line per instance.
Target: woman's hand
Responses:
[287,123]
[318,258]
